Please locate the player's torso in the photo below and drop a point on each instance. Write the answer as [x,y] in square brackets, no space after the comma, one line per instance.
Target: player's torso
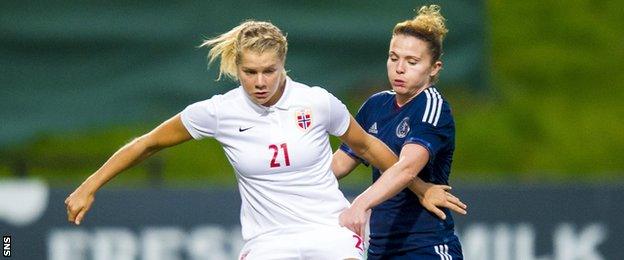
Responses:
[282,159]
[276,142]
[391,123]
[395,125]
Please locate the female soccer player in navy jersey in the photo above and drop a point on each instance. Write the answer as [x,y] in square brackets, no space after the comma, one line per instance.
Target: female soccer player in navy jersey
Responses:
[274,132]
[415,121]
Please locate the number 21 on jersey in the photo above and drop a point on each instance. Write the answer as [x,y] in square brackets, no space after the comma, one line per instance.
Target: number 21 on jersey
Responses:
[276,152]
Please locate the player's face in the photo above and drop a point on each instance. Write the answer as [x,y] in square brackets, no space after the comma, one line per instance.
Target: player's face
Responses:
[410,66]
[262,77]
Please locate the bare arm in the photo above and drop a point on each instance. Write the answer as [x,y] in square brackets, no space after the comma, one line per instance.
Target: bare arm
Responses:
[412,159]
[343,164]
[368,147]
[390,183]
[169,133]
[379,155]
[431,196]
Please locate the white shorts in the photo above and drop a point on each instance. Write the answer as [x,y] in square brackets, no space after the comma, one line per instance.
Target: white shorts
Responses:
[314,243]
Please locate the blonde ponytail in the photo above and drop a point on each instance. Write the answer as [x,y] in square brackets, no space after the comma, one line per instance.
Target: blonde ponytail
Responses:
[250,35]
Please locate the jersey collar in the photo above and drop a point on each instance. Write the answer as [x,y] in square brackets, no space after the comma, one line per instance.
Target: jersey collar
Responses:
[283,103]
[418,96]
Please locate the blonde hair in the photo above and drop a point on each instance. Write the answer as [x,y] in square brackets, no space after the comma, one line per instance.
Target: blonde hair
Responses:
[428,25]
[251,35]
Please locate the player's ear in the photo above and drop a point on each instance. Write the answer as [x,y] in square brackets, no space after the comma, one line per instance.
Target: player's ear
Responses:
[436,67]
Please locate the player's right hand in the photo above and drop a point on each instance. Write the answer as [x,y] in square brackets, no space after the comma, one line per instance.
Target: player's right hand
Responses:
[77,204]
[438,196]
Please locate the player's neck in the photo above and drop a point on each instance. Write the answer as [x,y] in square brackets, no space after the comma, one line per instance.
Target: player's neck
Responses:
[402,99]
[278,94]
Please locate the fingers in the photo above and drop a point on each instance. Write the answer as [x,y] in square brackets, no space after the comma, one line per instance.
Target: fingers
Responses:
[440,198]
[357,227]
[82,214]
[71,214]
[358,230]
[439,213]
[456,208]
[354,221]
[76,216]
[79,217]
[70,217]
[71,211]
[345,222]
[456,201]
[456,205]
[77,205]
[365,221]
[75,213]
[354,228]
[435,210]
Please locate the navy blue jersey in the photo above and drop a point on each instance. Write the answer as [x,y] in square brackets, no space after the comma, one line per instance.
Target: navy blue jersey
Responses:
[401,223]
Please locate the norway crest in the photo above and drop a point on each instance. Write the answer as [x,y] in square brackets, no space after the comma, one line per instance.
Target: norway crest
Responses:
[304,118]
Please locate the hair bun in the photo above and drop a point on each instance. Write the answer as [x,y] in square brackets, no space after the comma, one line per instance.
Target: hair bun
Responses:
[431,20]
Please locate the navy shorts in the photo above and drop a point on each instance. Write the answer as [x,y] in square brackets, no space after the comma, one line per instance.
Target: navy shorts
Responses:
[449,251]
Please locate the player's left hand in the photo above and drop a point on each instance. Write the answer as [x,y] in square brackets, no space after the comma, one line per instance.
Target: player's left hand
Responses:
[439,196]
[355,219]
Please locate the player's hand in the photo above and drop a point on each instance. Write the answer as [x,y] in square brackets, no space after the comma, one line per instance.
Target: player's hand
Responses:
[77,204]
[355,219]
[438,196]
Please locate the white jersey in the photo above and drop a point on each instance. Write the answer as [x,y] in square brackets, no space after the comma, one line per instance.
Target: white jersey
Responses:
[281,155]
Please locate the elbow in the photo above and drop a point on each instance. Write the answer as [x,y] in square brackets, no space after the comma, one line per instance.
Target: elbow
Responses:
[362,148]
[339,169]
[408,173]
[361,151]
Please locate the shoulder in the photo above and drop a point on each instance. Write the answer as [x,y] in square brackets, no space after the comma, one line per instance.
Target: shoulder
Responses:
[432,97]
[304,93]
[232,95]
[382,96]
[309,91]
[212,104]
[378,99]
[431,107]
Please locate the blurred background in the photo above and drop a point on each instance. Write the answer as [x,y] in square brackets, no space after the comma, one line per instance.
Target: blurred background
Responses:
[535,87]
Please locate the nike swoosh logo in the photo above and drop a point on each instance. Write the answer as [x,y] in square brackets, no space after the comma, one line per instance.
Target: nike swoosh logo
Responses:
[244,129]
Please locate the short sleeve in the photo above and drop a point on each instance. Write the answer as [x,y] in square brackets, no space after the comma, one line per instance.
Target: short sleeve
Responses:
[200,119]
[433,138]
[339,116]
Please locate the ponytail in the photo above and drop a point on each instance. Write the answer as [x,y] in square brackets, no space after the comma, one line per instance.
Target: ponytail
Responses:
[250,35]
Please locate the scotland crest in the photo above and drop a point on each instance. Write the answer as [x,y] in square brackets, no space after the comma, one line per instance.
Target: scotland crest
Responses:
[403,128]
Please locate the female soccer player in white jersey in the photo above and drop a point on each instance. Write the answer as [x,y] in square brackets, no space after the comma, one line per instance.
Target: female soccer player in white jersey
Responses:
[416,122]
[274,132]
